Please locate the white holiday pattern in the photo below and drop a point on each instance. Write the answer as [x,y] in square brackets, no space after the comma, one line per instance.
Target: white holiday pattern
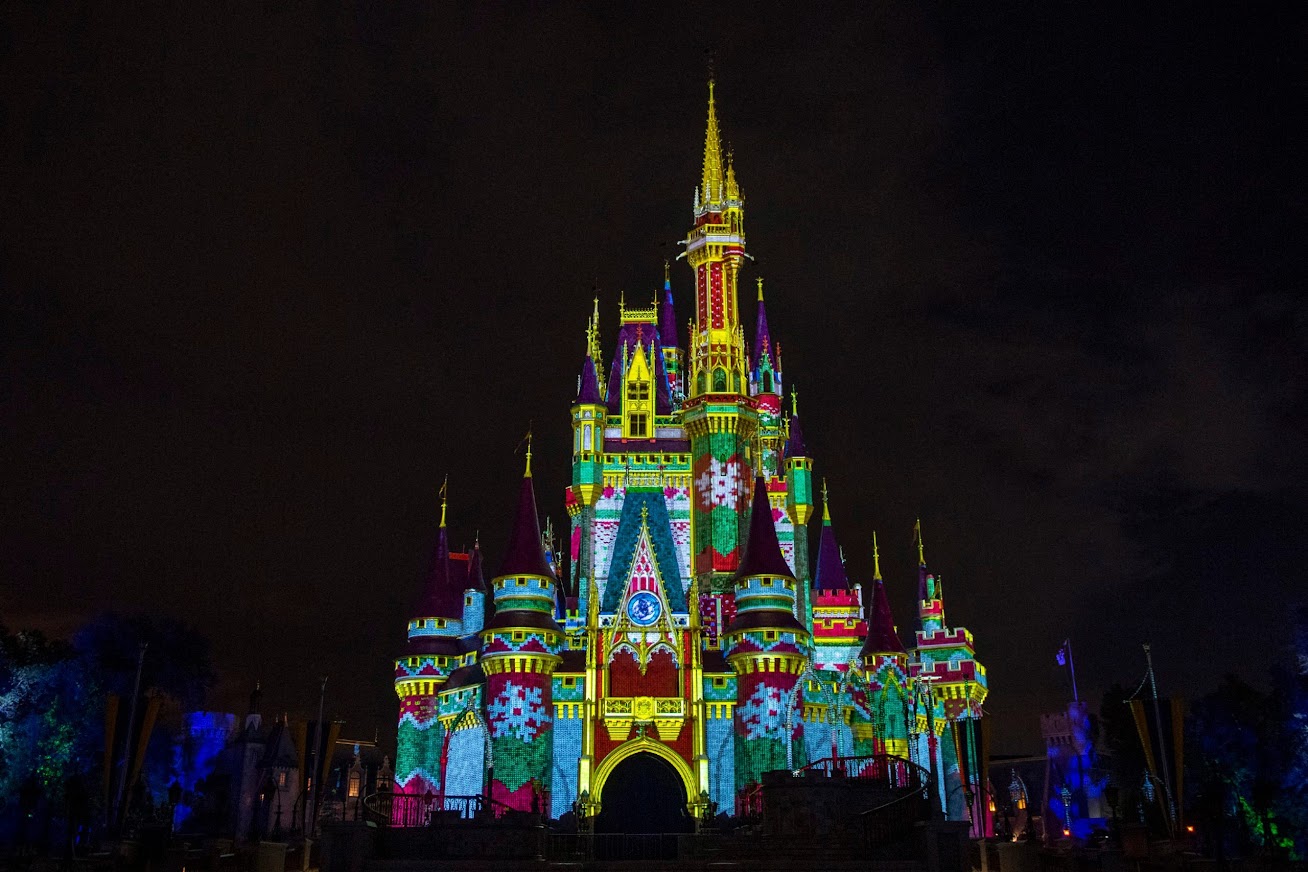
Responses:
[718,485]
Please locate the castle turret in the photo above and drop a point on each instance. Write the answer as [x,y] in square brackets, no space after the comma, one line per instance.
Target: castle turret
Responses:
[474,594]
[799,504]
[588,419]
[672,355]
[720,416]
[432,653]
[767,648]
[838,623]
[521,650]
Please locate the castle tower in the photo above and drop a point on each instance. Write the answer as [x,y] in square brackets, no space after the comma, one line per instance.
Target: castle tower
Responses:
[944,658]
[672,355]
[521,650]
[799,506]
[765,387]
[721,418]
[885,661]
[838,623]
[474,594]
[588,419]
[767,648]
[432,653]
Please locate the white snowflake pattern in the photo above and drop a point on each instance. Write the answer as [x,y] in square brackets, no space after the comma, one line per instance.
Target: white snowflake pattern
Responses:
[762,712]
[718,485]
[517,710]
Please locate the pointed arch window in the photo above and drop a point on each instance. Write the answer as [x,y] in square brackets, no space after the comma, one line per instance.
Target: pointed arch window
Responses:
[719,381]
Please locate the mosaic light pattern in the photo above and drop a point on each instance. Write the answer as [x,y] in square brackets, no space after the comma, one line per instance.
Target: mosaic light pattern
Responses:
[657,636]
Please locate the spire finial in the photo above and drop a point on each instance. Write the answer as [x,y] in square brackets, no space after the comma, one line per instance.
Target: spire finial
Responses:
[760,289]
[527,440]
[794,401]
[876,558]
[711,183]
[444,488]
[667,274]
[921,550]
[826,503]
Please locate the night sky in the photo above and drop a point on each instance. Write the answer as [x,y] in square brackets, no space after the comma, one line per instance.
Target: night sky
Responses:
[269,274]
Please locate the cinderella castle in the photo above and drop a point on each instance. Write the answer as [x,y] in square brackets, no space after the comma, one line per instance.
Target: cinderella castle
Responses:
[695,640]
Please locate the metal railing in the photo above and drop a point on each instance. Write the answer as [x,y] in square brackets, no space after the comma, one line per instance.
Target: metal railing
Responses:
[886,769]
[428,809]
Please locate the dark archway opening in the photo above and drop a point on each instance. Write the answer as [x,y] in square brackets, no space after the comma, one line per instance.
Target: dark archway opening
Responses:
[644,794]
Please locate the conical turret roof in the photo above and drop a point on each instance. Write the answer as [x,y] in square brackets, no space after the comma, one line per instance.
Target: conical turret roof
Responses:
[588,393]
[442,594]
[881,635]
[762,550]
[830,574]
[525,554]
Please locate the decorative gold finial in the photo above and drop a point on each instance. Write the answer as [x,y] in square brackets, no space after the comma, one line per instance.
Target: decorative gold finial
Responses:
[826,502]
[667,271]
[444,487]
[760,289]
[712,178]
[876,558]
[527,439]
[921,550]
[794,401]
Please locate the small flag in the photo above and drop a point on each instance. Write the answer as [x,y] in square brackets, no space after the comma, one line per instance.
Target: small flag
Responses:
[1061,656]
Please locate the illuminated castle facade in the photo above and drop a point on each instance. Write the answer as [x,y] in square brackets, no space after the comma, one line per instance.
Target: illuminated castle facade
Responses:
[692,625]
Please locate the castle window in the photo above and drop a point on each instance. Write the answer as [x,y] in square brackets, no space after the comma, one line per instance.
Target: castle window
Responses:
[719,682]
[769,635]
[767,582]
[639,425]
[701,383]
[281,779]
[570,681]
[517,637]
[719,381]
[767,382]
[638,390]
[520,582]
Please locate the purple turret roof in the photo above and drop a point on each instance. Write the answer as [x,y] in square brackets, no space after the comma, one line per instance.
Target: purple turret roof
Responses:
[525,554]
[442,595]
[830,574]
[795,444]
[762,550]
[763,348]
[881,635]
[588,393]
[476,577]
[667,318]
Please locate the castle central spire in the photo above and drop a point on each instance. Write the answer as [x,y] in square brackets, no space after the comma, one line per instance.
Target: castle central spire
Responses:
[711,185]
[715,249]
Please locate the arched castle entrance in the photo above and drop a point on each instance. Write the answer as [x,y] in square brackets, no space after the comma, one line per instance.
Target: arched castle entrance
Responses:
[643,793]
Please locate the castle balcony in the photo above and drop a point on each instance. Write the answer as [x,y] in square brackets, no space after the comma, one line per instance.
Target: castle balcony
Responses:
[667,714]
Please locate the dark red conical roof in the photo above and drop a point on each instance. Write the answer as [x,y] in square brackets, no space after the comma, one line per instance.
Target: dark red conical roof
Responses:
[476,577]
[830,573]
[881,635]
[442,595]
[526,553]
[762,550]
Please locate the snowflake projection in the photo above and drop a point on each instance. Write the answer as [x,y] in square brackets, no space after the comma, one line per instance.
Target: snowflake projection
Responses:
[718,485]
[762,713]
[517,710]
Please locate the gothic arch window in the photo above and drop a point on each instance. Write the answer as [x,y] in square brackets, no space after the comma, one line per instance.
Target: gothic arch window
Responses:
[720,381]
[767,382]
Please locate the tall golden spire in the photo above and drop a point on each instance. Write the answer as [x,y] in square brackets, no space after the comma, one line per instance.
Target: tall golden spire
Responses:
[733,189]
[826,503]
[876,558]
[527,439]
[921,550]
[711,184]
[760,289]
[444,487]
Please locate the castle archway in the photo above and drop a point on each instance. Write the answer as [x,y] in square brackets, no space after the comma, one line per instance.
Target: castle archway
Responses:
[643,793]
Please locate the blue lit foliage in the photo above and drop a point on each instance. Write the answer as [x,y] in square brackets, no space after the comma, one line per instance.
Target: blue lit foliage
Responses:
[1249,764]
